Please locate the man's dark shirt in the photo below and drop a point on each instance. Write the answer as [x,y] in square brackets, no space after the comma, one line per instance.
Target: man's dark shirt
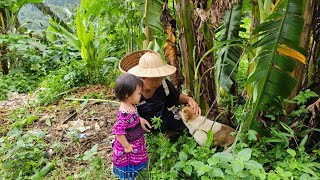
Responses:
[157,106]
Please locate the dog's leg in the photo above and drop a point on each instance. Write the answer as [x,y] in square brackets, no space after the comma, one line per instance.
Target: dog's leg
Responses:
[200,137]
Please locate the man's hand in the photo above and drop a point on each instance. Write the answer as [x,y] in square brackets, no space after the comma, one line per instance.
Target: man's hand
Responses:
[192,103]
[144,123]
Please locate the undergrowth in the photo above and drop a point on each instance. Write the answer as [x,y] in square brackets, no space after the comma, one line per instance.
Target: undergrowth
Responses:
[268,158]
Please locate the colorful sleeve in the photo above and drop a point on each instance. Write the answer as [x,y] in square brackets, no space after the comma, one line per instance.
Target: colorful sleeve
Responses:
[121,124]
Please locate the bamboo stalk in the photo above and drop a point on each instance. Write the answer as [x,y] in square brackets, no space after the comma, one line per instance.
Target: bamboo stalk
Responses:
[97,100]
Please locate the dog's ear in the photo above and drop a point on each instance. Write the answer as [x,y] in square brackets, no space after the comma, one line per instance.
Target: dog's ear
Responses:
[186,114]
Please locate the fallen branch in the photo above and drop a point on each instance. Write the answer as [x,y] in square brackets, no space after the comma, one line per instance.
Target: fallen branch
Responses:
[71,116]
[67,91]
[97,100]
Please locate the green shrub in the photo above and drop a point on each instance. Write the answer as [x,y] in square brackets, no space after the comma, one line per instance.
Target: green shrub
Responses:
[22,154]
[57,83]
[16,81]
[269,158]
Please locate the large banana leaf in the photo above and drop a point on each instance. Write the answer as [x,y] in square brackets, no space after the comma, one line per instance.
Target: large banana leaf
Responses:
[229,55]
[271,79]
[152,11]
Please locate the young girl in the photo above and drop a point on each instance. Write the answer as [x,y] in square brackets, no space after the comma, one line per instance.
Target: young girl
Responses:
[129,150]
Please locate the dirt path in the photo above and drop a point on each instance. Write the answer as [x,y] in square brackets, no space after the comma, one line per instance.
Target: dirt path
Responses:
[76,126]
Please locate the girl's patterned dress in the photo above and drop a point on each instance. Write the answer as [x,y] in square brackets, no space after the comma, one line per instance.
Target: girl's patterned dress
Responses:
[127,165]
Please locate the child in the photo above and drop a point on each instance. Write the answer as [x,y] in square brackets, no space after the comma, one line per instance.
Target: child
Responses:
[129,150]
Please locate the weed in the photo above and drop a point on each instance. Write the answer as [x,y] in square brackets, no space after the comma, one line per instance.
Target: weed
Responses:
[268,158]
[156,122]
[57,83]
[96,169]
[22,154]
[22,117]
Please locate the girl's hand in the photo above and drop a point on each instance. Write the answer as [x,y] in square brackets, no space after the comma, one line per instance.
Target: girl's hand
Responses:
[128,148]
[144,123]
[192,103]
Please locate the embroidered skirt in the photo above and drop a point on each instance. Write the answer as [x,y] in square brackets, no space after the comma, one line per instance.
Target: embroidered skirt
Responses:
[128,172]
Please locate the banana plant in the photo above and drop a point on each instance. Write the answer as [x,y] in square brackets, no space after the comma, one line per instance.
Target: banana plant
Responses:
[88,50]
[86,37]
[277,53]
[229,56]
[151,10]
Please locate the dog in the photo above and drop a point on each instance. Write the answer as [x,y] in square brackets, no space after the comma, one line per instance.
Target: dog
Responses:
[199,126]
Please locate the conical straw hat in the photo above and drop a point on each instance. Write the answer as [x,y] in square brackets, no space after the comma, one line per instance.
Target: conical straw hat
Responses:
[150,64]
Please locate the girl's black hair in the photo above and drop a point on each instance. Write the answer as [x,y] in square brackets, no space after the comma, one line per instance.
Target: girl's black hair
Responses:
[126,84]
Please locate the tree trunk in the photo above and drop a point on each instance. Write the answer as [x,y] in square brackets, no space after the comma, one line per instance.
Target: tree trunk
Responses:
[304,43]
[187,40]
[4,62]
[148,33]
[204,37]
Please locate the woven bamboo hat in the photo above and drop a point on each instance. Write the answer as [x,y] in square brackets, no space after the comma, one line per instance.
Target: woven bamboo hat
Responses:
[145,63]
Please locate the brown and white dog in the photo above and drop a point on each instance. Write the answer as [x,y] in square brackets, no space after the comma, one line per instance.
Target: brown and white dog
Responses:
[199,126]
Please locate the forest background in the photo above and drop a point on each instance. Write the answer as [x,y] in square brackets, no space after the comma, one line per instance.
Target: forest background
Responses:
[253,65]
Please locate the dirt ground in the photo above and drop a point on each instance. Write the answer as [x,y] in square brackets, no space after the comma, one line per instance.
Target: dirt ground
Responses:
[77,125]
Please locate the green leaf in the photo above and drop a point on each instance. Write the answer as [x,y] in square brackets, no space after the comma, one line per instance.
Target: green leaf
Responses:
[188,170]
[81,32]
[202,170]
[180,165]
[90,153]
[183,156]
[245,154]
[303,96]
[212,161]
[288,174]
[304,176]
[196,164]
[303,141]
[35,1]
[229,55]
[288,128]
[258,173]
[48,122]
[237,166]
[210,136]
[204,178]
[251,164]
[72,39]
[224,156]
[216,172]
[306,168]
[151,10]
[252,135]
[271,79]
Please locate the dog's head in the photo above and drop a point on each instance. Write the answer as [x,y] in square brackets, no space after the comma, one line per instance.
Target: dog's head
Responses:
[187,114]
[176,112]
